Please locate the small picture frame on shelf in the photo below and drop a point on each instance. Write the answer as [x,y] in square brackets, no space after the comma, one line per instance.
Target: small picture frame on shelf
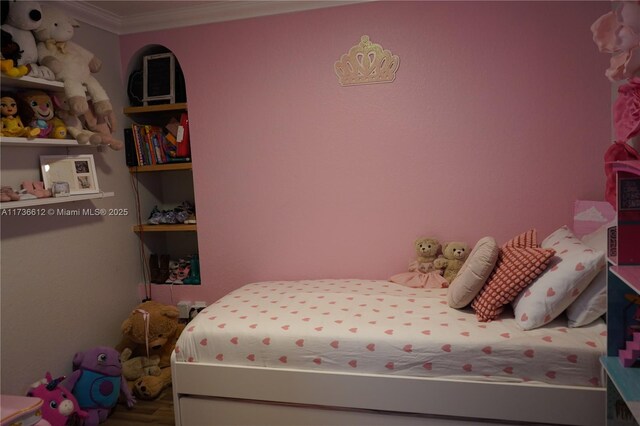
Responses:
[79,171]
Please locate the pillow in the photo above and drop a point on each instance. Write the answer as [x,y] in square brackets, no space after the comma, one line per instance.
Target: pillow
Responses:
[570,271]
[519,263]
[474,273]
[592,303]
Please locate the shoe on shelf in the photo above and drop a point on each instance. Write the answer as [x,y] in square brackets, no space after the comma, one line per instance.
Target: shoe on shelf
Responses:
[155,216]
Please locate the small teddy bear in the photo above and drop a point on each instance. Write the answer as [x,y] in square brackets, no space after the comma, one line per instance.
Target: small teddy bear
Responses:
[422,273]
[427,250]
[453,257]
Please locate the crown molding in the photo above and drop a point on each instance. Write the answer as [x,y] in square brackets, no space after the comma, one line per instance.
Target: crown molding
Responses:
[215,11]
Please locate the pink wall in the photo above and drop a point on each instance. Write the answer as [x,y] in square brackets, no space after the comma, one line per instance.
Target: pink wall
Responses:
[497,121]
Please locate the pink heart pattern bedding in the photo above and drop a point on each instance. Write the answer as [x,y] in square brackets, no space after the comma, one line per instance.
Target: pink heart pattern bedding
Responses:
[378,327]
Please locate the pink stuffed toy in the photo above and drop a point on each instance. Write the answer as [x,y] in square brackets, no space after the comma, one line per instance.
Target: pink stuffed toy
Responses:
[59,405]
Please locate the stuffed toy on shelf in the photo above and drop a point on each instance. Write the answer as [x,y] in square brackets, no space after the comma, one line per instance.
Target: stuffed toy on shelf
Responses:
[71,63]
[19,19]
[37,109]
[11,122]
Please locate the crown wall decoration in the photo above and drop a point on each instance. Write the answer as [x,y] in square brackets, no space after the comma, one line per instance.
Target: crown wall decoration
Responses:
[366,63]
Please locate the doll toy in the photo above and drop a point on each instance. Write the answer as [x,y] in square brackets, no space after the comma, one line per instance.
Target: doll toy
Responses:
[11,123]
[38,111]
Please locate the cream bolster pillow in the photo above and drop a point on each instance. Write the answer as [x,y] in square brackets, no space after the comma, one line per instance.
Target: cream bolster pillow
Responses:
[474,273]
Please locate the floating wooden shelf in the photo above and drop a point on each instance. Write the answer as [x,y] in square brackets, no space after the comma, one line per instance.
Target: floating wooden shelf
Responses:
[53,200]
[182,106]
[160,167]
[181,227]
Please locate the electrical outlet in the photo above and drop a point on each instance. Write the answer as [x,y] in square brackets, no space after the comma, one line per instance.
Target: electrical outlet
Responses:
[199,305]
[184,309]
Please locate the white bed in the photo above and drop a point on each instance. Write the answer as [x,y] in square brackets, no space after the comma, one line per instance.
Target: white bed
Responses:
[353,352]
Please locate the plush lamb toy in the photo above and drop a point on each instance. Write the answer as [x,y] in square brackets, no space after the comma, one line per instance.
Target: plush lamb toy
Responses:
[22,17]
[71,63]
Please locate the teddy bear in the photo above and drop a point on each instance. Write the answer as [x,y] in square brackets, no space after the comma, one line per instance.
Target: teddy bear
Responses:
[134,368]
[71,63]
[427,250]
[19,19]
[453,257]
[11,122]
[421,270]
[152,329]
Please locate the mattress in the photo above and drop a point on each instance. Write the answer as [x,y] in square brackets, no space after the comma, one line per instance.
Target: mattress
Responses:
[378,327]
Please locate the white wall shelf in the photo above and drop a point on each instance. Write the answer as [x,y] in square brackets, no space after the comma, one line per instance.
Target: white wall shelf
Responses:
[31,83]
[21,204]
[40,142]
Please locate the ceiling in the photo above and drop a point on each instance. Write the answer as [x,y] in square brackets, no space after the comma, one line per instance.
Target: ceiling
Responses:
[124,17]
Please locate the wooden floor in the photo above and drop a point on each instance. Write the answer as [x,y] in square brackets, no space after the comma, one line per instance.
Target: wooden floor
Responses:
[156,412]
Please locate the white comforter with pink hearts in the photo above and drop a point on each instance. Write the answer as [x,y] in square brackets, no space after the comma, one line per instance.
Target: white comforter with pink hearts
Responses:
[378,327]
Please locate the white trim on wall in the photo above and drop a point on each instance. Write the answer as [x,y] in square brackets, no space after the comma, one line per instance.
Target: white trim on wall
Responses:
[215,11]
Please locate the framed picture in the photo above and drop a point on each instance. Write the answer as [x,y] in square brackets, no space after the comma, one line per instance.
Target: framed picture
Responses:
[79,171]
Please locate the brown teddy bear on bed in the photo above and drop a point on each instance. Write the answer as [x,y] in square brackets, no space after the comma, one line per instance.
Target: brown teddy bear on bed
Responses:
[453,257]
[151,330]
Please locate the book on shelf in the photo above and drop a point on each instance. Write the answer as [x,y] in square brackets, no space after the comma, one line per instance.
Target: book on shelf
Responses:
[150,144]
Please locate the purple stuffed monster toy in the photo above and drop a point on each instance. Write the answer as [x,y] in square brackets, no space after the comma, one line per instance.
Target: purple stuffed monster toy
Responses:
[97,381]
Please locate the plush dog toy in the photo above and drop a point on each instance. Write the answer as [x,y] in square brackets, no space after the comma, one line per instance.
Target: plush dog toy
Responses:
[97,381]
[59,405]
[71,63]
[23,17]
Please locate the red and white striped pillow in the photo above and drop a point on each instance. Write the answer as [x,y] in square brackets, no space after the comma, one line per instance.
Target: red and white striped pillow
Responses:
[520,262]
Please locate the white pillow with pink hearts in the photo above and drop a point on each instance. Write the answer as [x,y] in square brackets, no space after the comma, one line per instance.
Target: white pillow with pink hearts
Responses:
[570,271]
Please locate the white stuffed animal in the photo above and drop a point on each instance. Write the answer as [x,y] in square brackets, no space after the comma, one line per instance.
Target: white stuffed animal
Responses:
[71,63]
[22,18]
[73,123]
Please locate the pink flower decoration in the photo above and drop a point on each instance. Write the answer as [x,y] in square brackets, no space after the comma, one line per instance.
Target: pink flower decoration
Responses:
[626,110]
[618,33]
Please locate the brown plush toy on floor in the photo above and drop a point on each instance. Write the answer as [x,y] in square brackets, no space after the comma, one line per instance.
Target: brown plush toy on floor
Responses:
[151,330]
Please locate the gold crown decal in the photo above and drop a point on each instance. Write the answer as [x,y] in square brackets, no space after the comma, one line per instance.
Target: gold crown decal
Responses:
[366,63]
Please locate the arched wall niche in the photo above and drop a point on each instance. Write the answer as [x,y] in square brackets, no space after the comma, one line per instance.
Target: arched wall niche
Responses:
[134,82]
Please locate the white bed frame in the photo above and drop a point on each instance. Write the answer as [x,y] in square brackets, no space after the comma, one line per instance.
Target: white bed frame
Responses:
[210,394]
